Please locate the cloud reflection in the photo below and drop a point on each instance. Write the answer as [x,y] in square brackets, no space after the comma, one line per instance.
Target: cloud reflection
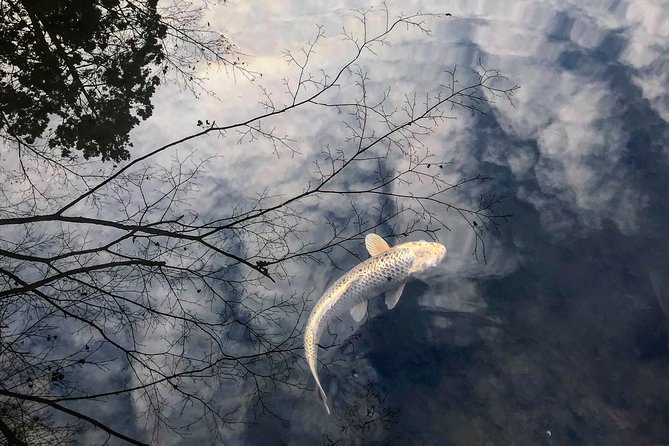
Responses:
[561,152]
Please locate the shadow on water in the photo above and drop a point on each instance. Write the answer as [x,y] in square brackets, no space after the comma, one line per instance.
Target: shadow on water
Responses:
[573,346]
[580,354]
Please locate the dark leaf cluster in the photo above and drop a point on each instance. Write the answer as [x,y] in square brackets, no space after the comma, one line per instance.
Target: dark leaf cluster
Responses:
[78,72]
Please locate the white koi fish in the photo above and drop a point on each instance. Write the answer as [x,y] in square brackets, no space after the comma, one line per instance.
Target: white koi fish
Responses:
[386,271]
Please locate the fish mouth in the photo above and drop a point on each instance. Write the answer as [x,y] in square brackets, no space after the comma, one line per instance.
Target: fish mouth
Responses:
[440,255]
[435,262]
[431,264]
[436,256]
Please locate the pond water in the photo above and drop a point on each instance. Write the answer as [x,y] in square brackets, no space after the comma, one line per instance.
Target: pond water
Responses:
[561,338]
[552,328]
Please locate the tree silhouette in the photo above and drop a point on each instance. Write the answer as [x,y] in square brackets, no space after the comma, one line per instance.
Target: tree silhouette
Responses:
[81,74]
[115,274]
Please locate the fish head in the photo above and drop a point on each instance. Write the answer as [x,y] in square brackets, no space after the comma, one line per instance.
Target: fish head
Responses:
[428,254]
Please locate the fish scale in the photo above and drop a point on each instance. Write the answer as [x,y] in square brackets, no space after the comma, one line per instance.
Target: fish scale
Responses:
[386,271]
[369,278]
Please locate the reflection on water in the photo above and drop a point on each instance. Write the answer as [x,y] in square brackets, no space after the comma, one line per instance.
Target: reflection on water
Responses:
[558,336]
[562,337]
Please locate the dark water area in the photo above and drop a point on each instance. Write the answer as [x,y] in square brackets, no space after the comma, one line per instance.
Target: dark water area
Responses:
[572,347]
[556,334]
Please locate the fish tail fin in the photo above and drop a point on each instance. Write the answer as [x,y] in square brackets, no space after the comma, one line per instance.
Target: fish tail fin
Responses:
[311,349]
[323,397]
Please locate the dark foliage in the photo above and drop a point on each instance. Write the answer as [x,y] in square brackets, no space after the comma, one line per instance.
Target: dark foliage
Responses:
[78,72]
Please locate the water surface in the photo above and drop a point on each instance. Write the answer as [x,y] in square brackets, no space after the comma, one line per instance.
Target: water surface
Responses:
[550,330]
[561,337]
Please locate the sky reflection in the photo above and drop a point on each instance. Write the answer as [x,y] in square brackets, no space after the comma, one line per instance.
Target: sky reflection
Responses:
[560,337]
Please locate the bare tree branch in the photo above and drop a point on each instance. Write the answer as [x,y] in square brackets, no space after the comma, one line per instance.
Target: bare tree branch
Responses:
[113,271]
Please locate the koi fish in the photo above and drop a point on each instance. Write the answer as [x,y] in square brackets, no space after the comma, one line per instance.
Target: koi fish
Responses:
[387,270]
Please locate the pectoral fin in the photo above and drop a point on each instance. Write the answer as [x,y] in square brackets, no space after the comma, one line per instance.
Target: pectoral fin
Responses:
[393,296]
[358,312]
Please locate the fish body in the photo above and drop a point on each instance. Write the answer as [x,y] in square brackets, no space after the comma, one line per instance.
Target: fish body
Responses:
[387,270]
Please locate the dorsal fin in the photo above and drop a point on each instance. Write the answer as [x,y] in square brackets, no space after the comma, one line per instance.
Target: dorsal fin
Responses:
[375,244]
